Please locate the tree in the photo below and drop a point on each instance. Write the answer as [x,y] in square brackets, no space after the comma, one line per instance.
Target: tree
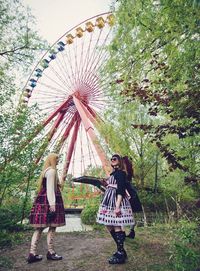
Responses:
[155,58]
[20,45]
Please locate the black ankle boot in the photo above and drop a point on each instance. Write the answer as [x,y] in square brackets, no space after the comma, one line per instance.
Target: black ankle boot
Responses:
[131,234]
[117,258]
[123,252]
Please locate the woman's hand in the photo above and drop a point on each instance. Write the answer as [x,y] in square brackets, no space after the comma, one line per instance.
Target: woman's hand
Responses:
[104,182]
[52,208]
[117,211]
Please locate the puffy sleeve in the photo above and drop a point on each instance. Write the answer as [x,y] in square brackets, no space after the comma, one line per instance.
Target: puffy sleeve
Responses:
[120,177]
[51,177]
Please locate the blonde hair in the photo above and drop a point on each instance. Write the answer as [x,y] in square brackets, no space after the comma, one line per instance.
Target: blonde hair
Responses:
[50,161]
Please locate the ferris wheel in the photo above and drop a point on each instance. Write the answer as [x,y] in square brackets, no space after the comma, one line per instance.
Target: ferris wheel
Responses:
[68,87]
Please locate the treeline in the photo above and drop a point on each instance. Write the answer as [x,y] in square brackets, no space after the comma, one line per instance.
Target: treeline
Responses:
[20,46]
[154,99]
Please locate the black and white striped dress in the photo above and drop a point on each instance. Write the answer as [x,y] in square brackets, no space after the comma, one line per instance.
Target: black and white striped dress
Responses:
[106,215]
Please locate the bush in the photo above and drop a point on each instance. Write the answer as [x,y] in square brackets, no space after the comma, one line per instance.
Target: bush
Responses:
[10,218]
[10,226]
[88,215]
[185,252]
[5,239]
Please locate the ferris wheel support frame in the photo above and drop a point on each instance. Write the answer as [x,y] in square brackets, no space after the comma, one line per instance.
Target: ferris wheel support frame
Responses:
[70,150]
[89,128]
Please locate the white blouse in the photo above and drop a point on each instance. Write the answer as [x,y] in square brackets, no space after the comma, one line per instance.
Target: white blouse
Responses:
[50,175]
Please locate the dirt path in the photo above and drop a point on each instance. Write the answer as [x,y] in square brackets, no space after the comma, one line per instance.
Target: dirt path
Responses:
[89,251]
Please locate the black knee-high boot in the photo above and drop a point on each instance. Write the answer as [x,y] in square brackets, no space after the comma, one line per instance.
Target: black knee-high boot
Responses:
[112,232]
[120,238]
[120,256]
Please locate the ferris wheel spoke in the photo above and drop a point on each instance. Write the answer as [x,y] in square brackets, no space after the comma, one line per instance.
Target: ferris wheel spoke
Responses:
[55,111]
[50,96]
[94,86]
[71,69]
[60,71]
[95,66]
[51,131]
[51,106]
[67,71]
[60,128]
[49,101]
[51,88]
[55,80]
[54,88]
[80,60]
[64,72]
[99,87]
[61,87]
[55,72]
[85,61]
[75,50]
[67,128]
[92,57]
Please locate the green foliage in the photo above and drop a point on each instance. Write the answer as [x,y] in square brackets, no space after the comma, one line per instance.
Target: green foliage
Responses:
[185,253]
[19,47]
[19,41]
[96,171]
[81,194]
[153,114]
[10,227]
[155,62]
[88,215]
[5,262]
[10,216]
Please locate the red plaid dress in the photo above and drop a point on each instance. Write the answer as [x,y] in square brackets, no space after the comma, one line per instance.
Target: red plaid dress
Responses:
[39,213]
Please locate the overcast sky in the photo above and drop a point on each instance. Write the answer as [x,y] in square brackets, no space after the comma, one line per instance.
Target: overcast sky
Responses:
[55,17]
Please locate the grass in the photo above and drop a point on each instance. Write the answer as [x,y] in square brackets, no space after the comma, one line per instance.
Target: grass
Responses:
[5,262]
[151,250]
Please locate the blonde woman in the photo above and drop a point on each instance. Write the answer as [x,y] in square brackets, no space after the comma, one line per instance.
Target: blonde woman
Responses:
[47,210]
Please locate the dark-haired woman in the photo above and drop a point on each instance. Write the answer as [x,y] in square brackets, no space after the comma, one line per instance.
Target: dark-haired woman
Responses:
[115,210]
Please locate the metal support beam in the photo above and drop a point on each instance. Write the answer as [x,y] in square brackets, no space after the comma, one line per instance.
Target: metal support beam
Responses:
[90,130]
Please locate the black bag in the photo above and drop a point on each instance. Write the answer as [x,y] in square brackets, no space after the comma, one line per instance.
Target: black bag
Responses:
[50,216]
[134,200]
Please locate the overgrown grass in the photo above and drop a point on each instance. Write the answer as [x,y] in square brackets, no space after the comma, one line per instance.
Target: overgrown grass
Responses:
[5,262]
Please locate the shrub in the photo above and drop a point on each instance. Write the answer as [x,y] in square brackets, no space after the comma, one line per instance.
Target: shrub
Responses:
[185,252]
[88,215]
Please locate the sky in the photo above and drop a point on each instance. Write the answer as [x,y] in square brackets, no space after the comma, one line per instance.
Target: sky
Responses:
[55,17]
